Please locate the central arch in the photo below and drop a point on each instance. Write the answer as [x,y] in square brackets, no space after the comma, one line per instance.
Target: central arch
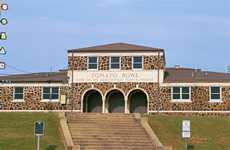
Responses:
[92,101]
[115,101]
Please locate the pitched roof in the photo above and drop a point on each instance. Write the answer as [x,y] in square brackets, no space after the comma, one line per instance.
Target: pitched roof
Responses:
[189,75]
[43,77]
[117,47]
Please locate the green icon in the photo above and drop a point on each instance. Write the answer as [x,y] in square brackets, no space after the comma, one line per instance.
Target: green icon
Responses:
[3,36]
[4,21]
[4,7]
[2,51]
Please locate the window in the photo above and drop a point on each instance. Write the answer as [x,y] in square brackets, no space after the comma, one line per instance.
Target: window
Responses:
[181,93]
[215,94]
[18,93]
[92,62]
[137,62]
[114,62]
[50,93]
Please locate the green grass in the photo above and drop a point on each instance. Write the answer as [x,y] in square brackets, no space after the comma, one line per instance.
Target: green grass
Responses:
[207,132]
[17,131]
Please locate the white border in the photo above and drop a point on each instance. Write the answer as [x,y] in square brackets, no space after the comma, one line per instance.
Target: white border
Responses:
[18,100]
[195,84]
[110,63]
[215,100]
[142,66]
[88,63]
[181,100]
[50,100]
[32,84]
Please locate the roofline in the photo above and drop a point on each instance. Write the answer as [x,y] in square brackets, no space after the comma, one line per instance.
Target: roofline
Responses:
[113,51]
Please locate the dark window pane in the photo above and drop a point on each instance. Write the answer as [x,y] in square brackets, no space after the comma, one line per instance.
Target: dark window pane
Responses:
[18,96]
[137,59]
[185,96]
[46,90]
[215,96]
[55,90]
[185,89]
[115,66]
[92,66]
[54,96]
[137,66]
[215,89]
[176,96]
[18,89]
[176,90]
[46,96]
[115,59]
[92,59]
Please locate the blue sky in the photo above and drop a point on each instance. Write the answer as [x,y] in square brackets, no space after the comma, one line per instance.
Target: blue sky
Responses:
[194,33]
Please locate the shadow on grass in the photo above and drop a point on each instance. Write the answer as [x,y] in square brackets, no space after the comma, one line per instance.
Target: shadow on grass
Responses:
[51,147]
[190,147]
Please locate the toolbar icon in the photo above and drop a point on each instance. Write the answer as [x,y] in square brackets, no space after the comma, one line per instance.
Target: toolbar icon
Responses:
[4,21]
[4,6]
[2,51]
[3,36]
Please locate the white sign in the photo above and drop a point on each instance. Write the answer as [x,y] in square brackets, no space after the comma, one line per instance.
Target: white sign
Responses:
[186,129]
[116,76]
[2,65]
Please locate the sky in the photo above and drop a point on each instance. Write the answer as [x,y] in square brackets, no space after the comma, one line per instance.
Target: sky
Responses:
[194,33]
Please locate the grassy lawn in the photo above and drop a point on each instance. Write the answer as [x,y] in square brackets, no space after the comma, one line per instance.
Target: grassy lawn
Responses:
[17,131]
[207,132]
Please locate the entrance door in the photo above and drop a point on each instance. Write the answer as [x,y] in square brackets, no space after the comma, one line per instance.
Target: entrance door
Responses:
[138,102]
[115,102]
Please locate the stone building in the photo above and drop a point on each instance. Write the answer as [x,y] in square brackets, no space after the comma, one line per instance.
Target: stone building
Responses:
[117,77]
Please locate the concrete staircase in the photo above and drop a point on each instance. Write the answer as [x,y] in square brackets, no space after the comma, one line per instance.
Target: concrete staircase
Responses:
[108,132]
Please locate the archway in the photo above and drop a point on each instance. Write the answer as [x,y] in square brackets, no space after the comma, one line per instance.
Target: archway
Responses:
[115,102]
[92,101]
[137,102]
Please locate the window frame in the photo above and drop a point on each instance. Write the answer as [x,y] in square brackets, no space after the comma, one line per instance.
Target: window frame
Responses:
[23,95]
[94,63]
[142,63]
[181,94]
[110,63]
[50,94]
[210,95]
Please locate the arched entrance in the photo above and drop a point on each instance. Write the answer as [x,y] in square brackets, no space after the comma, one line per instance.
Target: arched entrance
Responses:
[115,102]
[137,102]
[92,101]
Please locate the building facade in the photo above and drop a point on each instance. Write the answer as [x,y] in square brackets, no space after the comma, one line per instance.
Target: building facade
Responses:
[117,78]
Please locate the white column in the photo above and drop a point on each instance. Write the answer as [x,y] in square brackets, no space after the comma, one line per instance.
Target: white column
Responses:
[103,104]
[126,105]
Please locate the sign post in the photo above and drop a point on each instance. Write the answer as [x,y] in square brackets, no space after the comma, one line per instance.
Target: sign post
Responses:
[186,131]
[39,131]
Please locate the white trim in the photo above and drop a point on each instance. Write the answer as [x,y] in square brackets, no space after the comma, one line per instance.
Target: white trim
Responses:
[45,111]
[18,101]
[50,100]
[32,84]
[88,63]
[190,111]
[142,66]
[181,100]
[117,53]
[194,84]
[23,94]
[110,63]
[210,95]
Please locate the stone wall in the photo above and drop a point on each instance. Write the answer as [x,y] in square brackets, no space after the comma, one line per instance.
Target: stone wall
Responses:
[32,99]
[150,62]
[200,100]
[81,88]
